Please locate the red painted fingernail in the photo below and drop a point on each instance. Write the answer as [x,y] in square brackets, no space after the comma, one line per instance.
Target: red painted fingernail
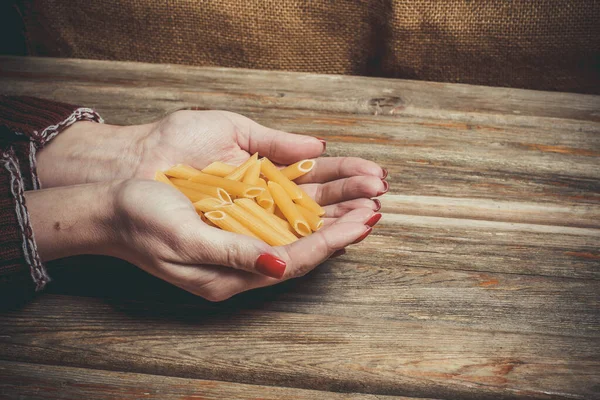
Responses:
[338,253]
[364,235]
[377,204]
[386,187]
[270,265]
[373,220]
[385,173]
[322,141]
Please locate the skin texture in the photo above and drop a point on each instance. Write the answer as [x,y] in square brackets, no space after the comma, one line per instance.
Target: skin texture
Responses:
[115,210]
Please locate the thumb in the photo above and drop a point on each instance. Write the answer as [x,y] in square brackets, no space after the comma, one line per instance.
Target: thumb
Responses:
[240,252]
[279,146]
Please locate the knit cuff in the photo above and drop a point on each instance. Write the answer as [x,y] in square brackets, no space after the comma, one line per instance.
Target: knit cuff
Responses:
[18,250]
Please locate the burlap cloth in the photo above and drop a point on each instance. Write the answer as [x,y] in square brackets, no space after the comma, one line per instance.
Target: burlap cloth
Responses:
[536,44]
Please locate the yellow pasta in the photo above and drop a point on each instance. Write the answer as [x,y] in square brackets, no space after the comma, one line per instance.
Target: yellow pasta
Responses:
[298,169]
[218,168]
[260,228]
[265,200]
[313,219]
[234,188]
[289,209]
[307,202]
[207,204]
[276,223]
[274,175]
[212,191]
[160,177]
[239,172]
[182,171]
[228,223]
[192,194]
[252,174]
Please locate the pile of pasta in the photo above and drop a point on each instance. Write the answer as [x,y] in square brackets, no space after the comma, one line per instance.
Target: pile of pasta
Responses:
[255,198]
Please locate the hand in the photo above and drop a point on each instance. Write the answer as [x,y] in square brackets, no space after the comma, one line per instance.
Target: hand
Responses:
[90,152]
[153,226]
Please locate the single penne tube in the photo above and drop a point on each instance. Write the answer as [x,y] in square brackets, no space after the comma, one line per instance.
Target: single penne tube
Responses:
[182,171]
[260,228]
[276,223]
[298,169]
[289,209]
[307,202]
[218,168]
[228,223]
[234,188]
[274,175]
[314,221]
[212,191]
[208,204]
[192,194]
[160,177]
[265,200]
[238,173]
[252,174]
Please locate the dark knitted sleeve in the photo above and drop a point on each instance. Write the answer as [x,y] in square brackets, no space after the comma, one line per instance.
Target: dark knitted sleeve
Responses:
[26,125]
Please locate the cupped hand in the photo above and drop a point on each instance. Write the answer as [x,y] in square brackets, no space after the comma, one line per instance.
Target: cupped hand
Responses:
[159,231]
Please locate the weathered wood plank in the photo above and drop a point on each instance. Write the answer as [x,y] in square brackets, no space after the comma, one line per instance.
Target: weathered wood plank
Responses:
[215,87]
[36,381]
[355,287]
[331,353]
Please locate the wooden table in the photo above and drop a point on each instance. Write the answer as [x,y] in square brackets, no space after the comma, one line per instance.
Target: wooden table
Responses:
[481,281]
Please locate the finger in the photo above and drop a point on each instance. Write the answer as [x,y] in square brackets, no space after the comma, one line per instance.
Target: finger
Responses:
[332,168]
[357,215]
[280,147]
[219,247]
[346,189]
[340,209]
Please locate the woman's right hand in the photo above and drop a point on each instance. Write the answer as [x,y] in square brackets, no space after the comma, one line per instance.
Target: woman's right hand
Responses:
[155,227]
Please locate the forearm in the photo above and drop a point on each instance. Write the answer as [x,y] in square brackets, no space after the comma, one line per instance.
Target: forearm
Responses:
[89,152]
[73,220]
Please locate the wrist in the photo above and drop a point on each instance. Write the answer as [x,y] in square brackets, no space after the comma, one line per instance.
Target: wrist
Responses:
[88,152]
[73,220]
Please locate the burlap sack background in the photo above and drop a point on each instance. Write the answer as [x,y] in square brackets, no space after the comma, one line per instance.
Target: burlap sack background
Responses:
[536,44]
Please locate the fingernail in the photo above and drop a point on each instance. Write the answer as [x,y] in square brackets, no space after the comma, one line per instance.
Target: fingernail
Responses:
[324,143]
[386,187]
[377,205]
[385,173]
[373,220]
[364,235]
[338,253]
[270,265]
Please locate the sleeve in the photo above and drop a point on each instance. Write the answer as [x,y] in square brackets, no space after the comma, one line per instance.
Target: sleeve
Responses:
[26,125]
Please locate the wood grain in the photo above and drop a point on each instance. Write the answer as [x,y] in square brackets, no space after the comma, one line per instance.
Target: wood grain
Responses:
[37,382]
[480,282]
[330,353]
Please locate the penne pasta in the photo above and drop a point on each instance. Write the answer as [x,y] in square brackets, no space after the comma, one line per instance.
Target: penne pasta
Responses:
[265,200]
[274,175]
[207,204]
[252,174]
[228,223]
[219,169]
[182,171]
[192,194]
[161,177]
[232,187]
[212,191]
[313,219]
[289,209]
[276,223]
[298,169]
[307,202]
[260,228]
[238,173]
